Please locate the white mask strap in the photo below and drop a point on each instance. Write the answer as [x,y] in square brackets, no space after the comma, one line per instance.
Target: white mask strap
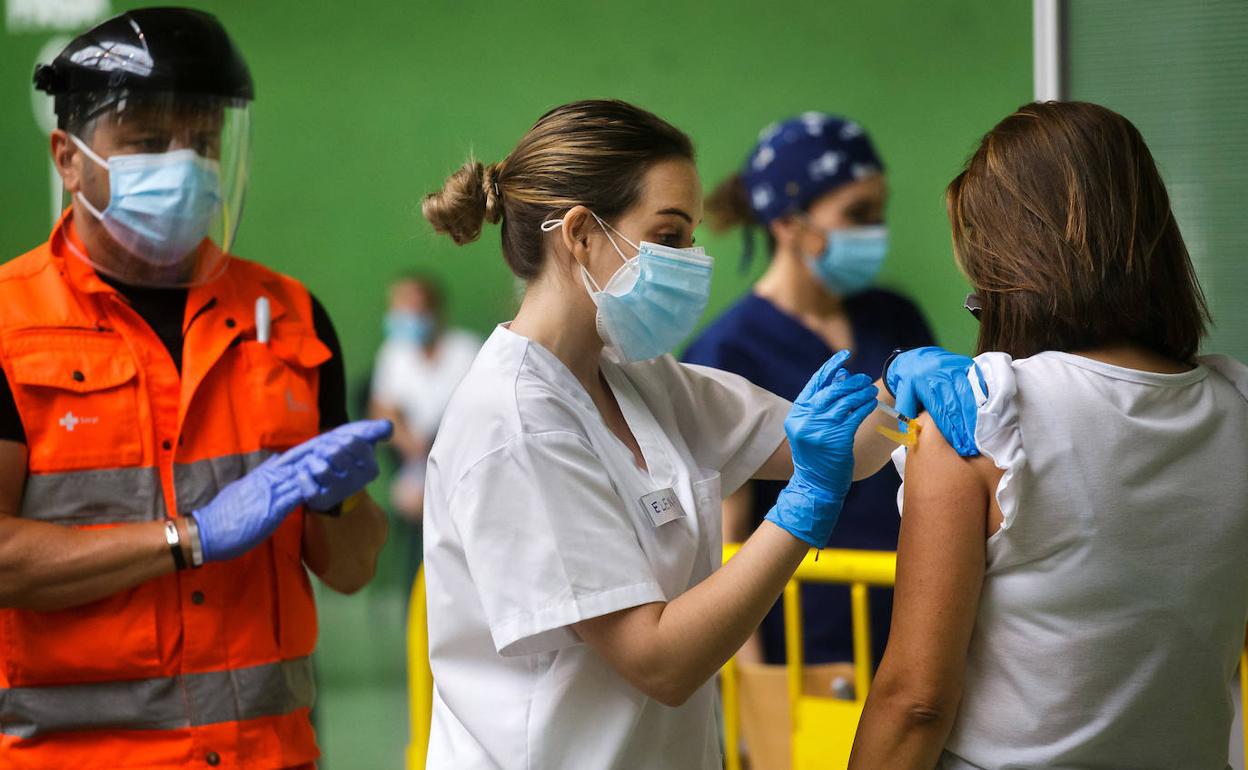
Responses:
[591,285]
[92,209]
[88,151]
[90,154]
[607,230]
[550,225]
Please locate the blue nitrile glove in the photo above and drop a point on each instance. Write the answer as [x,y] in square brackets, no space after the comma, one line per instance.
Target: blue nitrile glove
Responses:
[246,511]
[342,461]
[821,427]
[934,379]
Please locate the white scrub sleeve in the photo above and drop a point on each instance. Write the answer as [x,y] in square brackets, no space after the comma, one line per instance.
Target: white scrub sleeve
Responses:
[548,542]
[729,423]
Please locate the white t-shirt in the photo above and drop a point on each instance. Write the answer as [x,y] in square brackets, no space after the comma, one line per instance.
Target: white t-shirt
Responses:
[537,517]
[1115,594]
[420,387]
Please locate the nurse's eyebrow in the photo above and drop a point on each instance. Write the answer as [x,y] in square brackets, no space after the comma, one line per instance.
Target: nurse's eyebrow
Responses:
[678,213]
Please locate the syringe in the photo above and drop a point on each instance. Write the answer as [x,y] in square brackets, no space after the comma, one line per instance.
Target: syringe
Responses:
[910,437]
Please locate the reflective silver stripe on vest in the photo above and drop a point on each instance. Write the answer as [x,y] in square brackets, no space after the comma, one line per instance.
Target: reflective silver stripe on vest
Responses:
[129,495]
[195,484]
[167,703]
[111,496]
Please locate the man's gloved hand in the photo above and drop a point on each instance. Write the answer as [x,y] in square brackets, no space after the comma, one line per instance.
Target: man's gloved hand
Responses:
[248,510]
[821,428]
[934,379]
[324,470]
[342,461]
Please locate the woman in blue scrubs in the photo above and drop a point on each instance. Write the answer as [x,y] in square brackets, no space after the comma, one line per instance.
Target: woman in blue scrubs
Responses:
[816,185]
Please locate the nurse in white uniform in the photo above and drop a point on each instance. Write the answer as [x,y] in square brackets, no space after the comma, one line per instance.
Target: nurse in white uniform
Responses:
[576,613]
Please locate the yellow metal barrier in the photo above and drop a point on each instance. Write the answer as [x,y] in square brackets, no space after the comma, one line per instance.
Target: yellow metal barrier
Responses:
[823,728]
[1243,696]
[419,677]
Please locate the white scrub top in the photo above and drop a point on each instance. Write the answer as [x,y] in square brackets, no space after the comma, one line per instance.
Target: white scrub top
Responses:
[537,517]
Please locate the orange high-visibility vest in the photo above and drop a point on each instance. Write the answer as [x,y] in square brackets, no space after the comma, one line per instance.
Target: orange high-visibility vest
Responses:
[199,668]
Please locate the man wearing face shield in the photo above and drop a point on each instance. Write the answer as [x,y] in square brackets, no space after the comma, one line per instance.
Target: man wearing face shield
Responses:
[174,446]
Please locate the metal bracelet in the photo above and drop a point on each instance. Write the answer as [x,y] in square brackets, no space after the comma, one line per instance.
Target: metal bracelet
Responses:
[197,545]
[175,544]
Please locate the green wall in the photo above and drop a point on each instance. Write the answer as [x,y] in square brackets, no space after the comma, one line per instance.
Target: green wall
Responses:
[363,107]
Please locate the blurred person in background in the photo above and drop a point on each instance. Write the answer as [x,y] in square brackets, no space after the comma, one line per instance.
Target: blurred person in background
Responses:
[417,368]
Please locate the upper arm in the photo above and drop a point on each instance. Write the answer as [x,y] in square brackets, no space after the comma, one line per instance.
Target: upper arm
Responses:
[623,639]
[12,476]
[940,570]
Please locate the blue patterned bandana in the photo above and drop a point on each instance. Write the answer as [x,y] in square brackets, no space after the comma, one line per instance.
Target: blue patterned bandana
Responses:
[797,161]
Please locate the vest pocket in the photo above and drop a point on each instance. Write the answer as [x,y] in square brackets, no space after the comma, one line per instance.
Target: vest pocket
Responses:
[77,395]
[283,396]
[113,638]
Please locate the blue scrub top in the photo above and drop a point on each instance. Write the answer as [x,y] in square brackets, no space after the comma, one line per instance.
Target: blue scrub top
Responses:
[758,341]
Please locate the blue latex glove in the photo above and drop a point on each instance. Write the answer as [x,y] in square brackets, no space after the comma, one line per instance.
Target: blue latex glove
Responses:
[821,427]
[246,511]
[342,461]
[934,379]
[324,470]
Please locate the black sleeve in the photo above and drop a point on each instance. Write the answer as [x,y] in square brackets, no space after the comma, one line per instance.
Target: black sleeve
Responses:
[10,421]
[332,392]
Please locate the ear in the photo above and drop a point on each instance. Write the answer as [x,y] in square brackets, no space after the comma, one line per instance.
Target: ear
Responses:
[787,231]
[578,225]
[68,160]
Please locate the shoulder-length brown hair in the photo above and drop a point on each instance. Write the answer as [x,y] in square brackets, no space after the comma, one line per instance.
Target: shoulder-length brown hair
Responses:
[1063,226]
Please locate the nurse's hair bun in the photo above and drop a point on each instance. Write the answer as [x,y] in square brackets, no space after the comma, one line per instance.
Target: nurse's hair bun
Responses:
[469,198]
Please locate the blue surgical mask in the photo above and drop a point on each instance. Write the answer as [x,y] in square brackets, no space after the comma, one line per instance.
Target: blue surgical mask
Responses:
[852,259]
[653,301]
[408,327]
[160,205]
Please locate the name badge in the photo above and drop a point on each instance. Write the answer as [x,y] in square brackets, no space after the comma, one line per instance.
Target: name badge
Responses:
[662,506]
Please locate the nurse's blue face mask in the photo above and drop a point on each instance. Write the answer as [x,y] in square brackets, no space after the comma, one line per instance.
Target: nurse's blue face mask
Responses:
[160,205]
[653,301]
[852,258]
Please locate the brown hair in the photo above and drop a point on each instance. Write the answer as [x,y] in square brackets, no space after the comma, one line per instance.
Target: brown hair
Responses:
[590,153]
[728,205]
[1063,226]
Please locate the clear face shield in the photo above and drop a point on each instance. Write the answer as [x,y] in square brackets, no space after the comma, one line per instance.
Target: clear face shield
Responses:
[160,187]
